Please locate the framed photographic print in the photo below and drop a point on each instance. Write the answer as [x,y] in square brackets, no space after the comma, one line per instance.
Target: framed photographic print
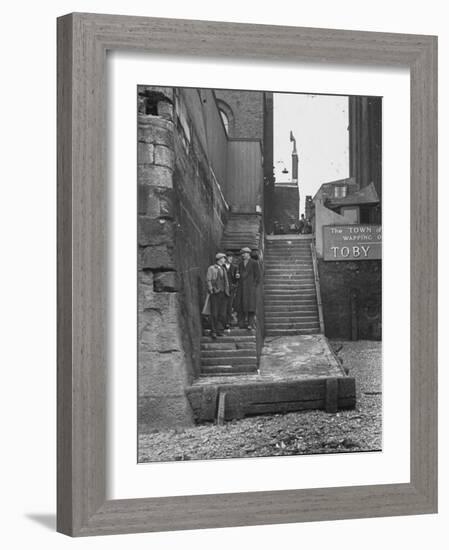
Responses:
[237,342]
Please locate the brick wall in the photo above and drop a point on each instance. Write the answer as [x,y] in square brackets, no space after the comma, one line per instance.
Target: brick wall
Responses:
[351,293]
[248,113]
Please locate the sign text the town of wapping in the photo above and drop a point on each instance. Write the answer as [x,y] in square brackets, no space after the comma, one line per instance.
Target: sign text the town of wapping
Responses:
[352,242]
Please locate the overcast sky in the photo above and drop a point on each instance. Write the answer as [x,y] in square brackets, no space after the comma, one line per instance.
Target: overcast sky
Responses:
[320,126]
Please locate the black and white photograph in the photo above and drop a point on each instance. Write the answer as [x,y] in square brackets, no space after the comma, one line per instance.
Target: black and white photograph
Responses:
[259,273]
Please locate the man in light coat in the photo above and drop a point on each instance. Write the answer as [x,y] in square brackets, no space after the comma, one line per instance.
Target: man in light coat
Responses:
[218,289]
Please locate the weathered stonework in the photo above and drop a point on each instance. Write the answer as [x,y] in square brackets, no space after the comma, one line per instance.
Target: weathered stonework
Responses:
[351,292]
[157,231]
[180,225]
[156,202]
[152,174]
[163,372]
[158,257]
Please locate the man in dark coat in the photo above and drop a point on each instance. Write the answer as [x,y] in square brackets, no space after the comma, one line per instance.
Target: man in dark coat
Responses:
[249,277]
[218,289]
[231,270]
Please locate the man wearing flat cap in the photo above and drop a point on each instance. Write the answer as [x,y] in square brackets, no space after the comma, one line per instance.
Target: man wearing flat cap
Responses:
[232,272]
[218,289]
[249,278]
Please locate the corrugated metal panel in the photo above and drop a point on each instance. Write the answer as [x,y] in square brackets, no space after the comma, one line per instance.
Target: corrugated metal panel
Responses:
[244,190]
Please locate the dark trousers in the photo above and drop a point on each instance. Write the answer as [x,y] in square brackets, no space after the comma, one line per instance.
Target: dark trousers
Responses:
[218,305]
[246,319]
[230,306]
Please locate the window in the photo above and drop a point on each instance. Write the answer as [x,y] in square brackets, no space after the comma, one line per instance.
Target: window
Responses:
[340,191]
[224,118]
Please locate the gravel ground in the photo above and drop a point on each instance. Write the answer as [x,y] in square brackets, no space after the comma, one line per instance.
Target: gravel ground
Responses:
[310,432]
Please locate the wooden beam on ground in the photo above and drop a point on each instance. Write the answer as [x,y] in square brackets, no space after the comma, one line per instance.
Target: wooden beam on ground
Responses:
[221,408]
[331,395]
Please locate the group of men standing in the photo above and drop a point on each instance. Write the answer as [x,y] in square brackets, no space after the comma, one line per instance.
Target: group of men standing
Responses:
[232,285]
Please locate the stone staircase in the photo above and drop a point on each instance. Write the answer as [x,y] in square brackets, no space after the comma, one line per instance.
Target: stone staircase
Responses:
[236,352]
[290,294]
[232,354]
[242,230]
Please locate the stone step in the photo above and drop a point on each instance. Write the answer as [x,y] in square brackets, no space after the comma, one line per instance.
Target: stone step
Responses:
[242,235]
[230,339]
[284,245]
[274,309]
[306,303]
[289,281]
[229,370]
[238,244]
[293,274]
[283,279]
[287,248]
[291,264]
[288,262]
[222,372]
[289,295]
[230,346]
[287,284]
[300,279]
[281,300]
[293,311]
[286,272]
[211,353]
[289,274]
[290,332]
[278,269]
[271,278]
[278,317]
[289,291]
[239,360]
[293,271]
[287,325]
[288,251]
[289,269]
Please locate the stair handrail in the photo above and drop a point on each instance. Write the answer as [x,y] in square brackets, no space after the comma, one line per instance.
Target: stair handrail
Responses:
[317,287]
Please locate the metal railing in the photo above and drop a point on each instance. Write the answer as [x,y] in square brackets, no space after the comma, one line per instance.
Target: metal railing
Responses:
[317,286]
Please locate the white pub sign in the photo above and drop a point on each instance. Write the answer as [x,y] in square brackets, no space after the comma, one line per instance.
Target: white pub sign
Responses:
[352,242]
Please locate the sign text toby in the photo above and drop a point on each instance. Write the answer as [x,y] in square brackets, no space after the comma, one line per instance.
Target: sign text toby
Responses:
[352,242]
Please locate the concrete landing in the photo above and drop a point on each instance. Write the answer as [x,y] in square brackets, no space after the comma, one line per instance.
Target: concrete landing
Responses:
[296,372]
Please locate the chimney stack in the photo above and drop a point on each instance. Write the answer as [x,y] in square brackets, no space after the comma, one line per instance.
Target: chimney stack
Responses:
[294,159]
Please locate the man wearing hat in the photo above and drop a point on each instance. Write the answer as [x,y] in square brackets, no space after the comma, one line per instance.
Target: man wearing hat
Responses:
[232,271]
[249,278]
[218,288]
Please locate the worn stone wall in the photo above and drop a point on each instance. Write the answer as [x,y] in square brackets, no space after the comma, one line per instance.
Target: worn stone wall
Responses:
[201,214]
[351,294]
[181,217]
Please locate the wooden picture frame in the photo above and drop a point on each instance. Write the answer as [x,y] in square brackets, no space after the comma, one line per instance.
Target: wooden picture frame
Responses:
[83,40]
